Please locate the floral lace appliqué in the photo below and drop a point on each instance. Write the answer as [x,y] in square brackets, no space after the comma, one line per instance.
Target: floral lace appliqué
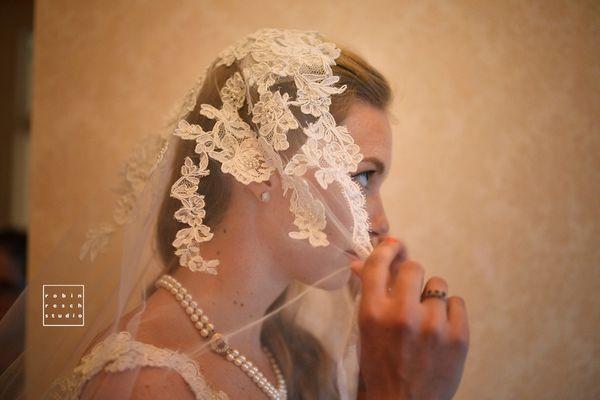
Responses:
[119,352]
[249,155]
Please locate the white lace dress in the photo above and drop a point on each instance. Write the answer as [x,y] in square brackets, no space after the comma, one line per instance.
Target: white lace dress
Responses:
[120,352]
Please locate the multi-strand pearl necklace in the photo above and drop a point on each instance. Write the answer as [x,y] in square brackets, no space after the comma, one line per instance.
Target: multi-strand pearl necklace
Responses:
[218,343]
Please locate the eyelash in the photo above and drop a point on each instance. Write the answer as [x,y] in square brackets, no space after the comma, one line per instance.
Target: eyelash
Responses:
[368,175]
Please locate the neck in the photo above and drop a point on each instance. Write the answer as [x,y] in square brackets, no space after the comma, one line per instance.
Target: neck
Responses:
[246,284]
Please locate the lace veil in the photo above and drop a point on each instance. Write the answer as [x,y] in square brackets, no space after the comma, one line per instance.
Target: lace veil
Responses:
[271,118]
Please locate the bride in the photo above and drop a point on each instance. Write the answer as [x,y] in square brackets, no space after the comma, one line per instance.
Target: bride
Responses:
[260,223]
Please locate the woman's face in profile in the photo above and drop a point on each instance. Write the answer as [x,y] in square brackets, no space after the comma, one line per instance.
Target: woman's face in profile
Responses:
[371,130]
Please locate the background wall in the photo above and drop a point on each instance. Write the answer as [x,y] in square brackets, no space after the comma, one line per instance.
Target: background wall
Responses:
[495,182]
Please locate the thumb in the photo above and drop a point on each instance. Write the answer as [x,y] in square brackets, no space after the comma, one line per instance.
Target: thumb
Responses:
[356,266]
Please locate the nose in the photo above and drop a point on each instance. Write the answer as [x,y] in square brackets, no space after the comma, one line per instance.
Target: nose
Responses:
[380,226]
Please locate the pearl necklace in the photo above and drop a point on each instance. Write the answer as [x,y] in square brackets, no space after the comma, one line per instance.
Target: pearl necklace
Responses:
[219,344]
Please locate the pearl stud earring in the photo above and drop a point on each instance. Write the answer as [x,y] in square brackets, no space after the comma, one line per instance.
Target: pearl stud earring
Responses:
[265,196]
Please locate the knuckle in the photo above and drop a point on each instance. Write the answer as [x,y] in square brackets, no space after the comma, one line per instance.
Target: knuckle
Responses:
[458,342]
[364,320]
[403,322]
[370,316]
[432,331]
[404,327]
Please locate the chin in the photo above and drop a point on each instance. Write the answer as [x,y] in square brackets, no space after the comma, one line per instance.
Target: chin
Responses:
[331,274]
[336,282]
[320,267]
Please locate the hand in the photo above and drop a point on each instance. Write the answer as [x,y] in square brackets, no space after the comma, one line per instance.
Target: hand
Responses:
[411,348]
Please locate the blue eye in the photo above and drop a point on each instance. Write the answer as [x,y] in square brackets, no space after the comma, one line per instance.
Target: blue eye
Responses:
[363,178]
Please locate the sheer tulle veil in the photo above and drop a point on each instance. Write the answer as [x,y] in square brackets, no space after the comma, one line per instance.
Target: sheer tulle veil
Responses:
[267,106]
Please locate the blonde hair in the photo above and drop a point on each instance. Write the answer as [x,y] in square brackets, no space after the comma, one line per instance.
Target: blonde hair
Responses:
[309,372]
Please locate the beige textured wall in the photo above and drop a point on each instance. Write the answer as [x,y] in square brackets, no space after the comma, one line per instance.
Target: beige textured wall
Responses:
[495,183]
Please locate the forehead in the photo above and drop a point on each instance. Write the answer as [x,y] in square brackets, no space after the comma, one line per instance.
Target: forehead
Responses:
[371,130]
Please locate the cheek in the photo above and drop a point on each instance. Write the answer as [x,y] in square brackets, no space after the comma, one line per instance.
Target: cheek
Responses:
[297,258]
[339,219]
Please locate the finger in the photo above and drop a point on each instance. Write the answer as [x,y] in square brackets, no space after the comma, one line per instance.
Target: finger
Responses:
[457,317]
[409,281]
[400,257]
[376,269]
[435,306]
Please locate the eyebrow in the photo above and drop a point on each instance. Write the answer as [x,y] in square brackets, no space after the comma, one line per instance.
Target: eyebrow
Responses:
[377,162]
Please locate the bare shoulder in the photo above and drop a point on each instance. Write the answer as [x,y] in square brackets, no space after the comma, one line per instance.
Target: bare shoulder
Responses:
[143,381]
[140,383]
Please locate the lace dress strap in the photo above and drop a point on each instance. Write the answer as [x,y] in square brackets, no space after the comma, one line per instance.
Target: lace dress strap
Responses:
[119,352]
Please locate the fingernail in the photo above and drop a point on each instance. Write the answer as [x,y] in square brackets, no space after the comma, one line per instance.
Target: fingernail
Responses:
[390,239]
